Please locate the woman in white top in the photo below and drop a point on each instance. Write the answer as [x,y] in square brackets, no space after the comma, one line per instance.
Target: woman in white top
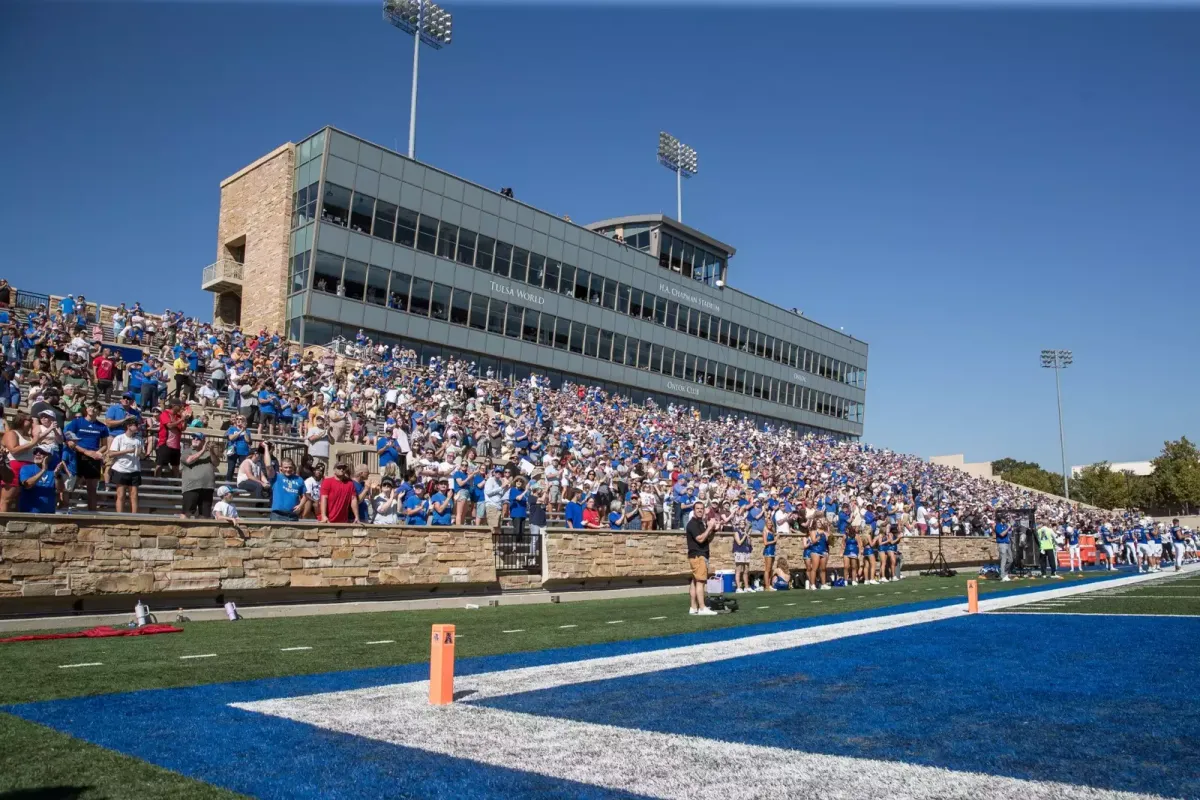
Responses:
[126,452]
[648,502]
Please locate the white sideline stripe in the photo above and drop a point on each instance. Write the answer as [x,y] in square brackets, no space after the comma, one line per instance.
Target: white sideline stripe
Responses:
[85,664]
[654,618]
[568,626]
[290,649]
[383,641]
[614,622]
[762,607]
[789,604]
[514,630]
[1104,614]
[200,655]
[650,763]
[1151,596]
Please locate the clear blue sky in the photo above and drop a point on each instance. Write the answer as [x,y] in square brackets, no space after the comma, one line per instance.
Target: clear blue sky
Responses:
[958,188]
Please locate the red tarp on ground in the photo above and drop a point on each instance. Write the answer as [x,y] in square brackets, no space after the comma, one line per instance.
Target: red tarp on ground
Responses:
[97,633]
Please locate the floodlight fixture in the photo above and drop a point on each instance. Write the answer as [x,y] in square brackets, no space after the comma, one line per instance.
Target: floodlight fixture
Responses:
[426,22]
[1058,360]
[680,159]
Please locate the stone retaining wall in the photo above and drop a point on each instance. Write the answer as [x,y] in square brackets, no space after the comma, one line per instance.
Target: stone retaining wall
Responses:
[601,556]
[79,555]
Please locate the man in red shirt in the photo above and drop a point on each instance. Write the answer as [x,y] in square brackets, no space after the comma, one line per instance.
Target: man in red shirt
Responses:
[102,372]
[339,501]
[170,434]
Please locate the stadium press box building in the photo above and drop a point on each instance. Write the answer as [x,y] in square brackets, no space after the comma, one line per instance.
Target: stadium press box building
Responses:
[322,238]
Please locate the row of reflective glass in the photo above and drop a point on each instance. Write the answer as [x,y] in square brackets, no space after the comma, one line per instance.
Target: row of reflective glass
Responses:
[689,261]
[321,332]
[383,220]
[354,280]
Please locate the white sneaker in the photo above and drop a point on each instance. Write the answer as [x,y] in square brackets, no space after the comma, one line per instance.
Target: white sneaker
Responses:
[1057,577]
[826,586]
[693,611]
[1006,579]
[706,612]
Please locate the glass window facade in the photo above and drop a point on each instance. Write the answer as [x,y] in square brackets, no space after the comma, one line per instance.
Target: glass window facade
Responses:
[572,276]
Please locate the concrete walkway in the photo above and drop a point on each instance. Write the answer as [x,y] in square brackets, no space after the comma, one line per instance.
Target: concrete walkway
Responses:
[313,609]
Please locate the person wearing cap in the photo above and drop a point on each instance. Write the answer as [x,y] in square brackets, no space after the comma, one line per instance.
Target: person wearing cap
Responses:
[120,411]
[386,504]
[225,511]
[125,450]
[39,490]
[199,477]
[339,501]
[416,506]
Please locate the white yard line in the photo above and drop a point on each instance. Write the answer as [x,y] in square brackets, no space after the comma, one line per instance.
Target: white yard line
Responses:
[652,619]
[291,649]
[383,641]
[568,626]
[614,622]
[85,664]
[514,630]
[199,655]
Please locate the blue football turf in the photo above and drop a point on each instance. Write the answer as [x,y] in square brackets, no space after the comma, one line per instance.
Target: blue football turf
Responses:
[1081,699]
[892,676]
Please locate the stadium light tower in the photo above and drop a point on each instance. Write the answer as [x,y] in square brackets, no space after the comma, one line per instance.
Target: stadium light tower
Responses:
[427,22]
[1058,360]
[680,159]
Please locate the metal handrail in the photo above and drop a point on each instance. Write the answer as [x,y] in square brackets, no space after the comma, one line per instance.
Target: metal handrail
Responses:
[225,268]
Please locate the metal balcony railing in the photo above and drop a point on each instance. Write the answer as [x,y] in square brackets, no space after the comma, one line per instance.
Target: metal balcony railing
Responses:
[225,269]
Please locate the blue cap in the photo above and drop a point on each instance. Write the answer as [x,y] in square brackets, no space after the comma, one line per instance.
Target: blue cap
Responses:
[128,396]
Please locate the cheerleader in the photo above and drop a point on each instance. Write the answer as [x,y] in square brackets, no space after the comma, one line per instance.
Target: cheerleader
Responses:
[870,561]
[850,556]
[819,549]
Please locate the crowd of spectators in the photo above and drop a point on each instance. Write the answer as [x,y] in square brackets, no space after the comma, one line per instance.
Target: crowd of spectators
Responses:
[453,446]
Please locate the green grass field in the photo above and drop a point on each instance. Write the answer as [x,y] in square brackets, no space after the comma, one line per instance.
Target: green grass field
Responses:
[1168,594]
[35,758]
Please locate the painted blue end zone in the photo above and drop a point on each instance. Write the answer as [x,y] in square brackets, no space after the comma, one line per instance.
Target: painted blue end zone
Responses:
[194,732]
[1081,699]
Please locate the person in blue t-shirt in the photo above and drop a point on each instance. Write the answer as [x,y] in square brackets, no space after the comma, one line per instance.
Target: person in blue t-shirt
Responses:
[86,438]
[287,488]
[416,507]
[388,450]
[573,513]
[517,503]
[268,407]
[616,515]
[460,490]
[238,448]
[441,505]
[1003,547]
[151,377]
[478,480]
[39,493]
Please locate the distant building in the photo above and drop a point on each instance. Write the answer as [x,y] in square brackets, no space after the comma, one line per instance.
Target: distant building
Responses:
[1140,468]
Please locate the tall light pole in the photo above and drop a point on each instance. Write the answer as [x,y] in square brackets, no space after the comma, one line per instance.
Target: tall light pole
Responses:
[427,22]
[1058,360]
[680,159]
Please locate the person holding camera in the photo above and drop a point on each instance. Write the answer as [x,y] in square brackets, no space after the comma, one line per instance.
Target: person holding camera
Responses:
[39,490]
[699,531]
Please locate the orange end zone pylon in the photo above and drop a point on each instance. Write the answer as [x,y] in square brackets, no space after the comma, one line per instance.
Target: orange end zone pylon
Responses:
[441,665]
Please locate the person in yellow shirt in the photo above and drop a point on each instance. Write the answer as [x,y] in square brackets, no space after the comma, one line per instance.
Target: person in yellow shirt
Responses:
[183,378]
[1048,552]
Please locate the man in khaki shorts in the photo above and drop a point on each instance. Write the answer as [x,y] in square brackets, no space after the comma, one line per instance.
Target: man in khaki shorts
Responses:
[699,533]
